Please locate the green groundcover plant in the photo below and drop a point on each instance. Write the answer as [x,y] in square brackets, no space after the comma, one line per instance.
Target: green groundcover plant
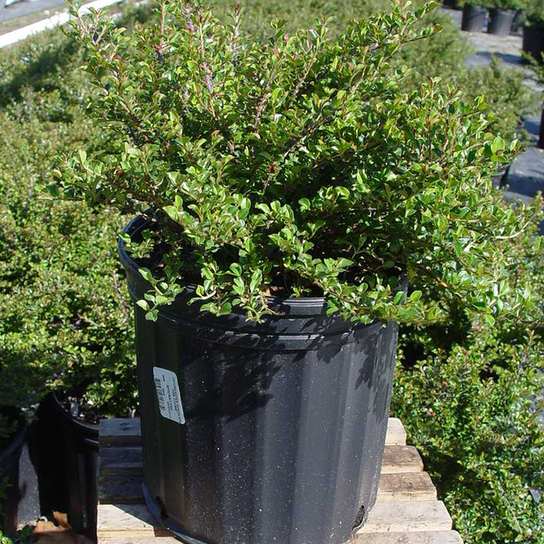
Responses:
[470,396]
[23,536]
[509,4]
[508,97]
[294,167]
[534,16]
[65,324]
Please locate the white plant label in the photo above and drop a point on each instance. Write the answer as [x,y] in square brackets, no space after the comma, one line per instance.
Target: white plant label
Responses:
[168,395]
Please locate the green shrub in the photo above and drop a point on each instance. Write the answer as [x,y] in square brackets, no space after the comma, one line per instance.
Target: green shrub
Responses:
[480,3]
[509,4]
[471,415]
[23,536]
[510,100]
[62,297]
[440,56]
[297,157]
[65,323]
[534,14]
[470,395]
[298,13]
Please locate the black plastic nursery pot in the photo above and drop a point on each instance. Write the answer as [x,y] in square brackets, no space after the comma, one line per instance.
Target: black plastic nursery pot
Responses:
[260,433]
[68,466]
[518,21]
[453,4]
[501,21]
[533,42]
[474,18]
[499,179]
[9,472]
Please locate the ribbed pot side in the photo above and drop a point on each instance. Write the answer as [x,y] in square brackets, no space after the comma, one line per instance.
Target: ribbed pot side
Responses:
[285,421]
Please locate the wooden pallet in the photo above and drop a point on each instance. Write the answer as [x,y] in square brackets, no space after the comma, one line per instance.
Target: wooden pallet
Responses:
[407,510]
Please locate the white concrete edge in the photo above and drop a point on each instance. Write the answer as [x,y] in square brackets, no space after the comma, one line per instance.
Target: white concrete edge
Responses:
[59,19]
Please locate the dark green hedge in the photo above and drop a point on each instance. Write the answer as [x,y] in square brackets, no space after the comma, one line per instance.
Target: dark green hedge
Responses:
[471,397]
[66,321]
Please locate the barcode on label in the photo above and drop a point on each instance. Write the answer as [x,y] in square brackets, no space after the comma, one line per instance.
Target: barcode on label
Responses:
[160,395]
[168,395]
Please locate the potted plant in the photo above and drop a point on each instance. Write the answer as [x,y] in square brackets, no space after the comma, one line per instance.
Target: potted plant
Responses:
[475,14]
[284,193]
[502,15]
[533,31]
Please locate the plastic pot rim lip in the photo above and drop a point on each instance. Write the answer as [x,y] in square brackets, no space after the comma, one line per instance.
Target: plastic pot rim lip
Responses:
[476,7]
[16,442]
[60,409]
[539,28]
[500,11]
[319,303]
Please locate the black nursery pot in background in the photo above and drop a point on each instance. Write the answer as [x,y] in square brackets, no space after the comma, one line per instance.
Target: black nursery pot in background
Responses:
[518,21]
[68,466]
[453,4]
[533,42]
[9,471]
[261,433]
[501,21]
[474,18]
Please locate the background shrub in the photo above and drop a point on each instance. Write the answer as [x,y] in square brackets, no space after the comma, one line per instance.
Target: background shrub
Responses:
[66,321]
[470,396]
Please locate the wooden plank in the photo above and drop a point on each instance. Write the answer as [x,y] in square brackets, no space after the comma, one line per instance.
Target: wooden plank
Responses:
[428,537]
[406,512]
[127,432]
[396,435]
[120,488]
[407,517]
[431,537]
[120,432]
[398,459]
[415,486]
[127,521]
[412,486]
[146,540]
[121,460]
[134,521]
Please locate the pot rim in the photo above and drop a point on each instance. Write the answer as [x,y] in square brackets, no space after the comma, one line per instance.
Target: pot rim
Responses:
[58,407]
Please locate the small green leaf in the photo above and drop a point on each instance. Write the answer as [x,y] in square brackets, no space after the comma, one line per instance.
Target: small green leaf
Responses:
[152,315]
[146,274]
[143,304]
[497,145]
